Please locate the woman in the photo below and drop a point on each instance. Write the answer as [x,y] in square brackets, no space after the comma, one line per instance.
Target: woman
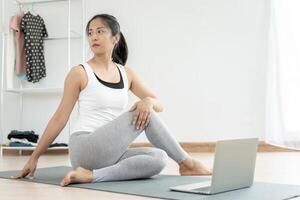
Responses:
[98,145]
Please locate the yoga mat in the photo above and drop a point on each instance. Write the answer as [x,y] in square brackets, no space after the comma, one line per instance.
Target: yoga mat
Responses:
[158,186]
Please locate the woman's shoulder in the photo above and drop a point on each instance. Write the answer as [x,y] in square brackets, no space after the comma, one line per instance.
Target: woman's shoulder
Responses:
[128,71]
[77,70]
[77,74]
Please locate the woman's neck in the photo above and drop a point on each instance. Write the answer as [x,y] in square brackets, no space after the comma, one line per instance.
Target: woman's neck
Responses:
[103,62]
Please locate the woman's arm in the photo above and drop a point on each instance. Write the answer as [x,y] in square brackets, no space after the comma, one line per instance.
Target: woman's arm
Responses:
[58,121]
[141,91]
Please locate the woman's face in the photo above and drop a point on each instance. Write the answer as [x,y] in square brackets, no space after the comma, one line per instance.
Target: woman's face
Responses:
[100,37]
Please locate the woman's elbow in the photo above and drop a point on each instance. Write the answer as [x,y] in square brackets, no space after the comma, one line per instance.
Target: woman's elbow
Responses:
[159,109]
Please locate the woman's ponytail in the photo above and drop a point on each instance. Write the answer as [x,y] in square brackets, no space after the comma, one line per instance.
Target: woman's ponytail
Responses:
[120,51]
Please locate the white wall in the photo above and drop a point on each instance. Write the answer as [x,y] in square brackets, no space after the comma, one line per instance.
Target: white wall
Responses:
[1,51]
[205,60]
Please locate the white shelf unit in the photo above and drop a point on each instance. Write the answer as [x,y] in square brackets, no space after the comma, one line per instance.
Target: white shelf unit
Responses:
[21,149]
[35,90]
[22,89]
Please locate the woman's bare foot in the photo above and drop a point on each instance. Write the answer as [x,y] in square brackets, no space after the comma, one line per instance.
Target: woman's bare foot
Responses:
[192,167]
[79,175]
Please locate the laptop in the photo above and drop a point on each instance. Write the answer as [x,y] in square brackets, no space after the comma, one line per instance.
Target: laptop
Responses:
[234,166]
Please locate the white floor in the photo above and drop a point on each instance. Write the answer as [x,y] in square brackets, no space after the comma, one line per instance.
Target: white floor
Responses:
[270,167]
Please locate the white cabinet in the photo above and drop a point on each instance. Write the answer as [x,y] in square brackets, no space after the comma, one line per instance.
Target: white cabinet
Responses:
[26,105]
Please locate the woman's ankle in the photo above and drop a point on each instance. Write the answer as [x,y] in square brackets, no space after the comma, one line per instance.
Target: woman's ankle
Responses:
[188,162]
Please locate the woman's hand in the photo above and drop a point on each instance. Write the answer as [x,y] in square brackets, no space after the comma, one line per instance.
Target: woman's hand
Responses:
[142,110]
[28,169]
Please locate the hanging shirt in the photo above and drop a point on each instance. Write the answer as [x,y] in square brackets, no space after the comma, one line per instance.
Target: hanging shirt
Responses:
[10,58]
[15,25]
[34,30]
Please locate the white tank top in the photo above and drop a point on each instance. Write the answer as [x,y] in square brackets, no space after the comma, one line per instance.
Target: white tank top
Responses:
[98,103]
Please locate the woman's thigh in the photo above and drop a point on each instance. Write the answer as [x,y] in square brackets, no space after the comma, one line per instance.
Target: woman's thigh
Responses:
[105,145]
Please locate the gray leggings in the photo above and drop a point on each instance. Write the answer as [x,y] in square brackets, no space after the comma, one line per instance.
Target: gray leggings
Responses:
[105,151]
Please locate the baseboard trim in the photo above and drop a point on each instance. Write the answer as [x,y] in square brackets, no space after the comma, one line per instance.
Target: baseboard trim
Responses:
[193,147]
[210,147]
[15,152]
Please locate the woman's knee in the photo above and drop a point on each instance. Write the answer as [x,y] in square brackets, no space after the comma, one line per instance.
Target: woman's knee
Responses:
[152,117]
[161,159]
[130,116]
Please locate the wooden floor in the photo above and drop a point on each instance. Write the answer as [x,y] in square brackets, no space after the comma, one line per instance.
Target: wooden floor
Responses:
[277,167]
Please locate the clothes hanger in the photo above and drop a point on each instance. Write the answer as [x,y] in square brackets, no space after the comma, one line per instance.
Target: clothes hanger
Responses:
[32,9]
[20,4]
[20,7]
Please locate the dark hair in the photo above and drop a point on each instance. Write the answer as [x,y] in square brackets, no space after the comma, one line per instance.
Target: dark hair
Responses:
[120,51]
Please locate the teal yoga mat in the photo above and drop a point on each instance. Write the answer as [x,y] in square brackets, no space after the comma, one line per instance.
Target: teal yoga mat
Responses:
[158,186]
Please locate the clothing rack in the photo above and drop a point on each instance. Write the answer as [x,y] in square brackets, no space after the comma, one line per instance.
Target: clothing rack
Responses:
[36,2]
[44,91]
[32,2]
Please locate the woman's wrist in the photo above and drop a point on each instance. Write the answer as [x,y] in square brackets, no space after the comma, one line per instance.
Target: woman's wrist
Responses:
[34,156]
[155,104]
[148,99]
